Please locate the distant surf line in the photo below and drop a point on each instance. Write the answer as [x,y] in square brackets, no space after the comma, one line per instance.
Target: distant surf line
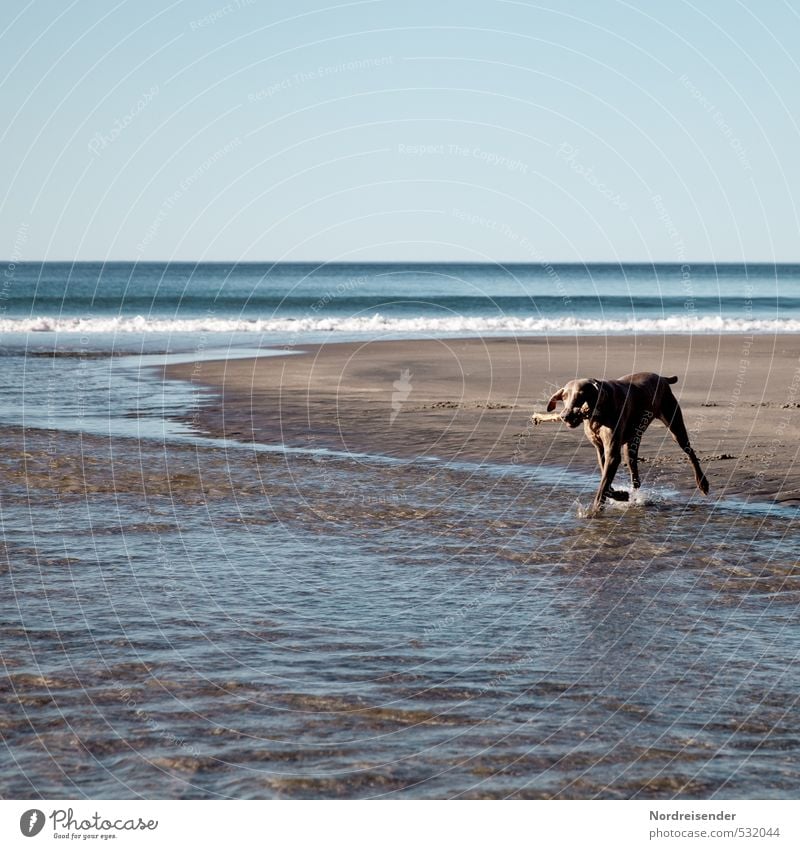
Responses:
[377,323]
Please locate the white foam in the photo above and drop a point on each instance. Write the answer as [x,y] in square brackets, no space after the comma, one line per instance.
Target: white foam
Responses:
[381,324]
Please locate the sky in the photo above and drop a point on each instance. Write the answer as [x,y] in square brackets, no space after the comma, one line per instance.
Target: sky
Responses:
[473,131]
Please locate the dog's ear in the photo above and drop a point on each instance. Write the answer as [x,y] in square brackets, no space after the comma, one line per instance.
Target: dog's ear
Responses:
[551,404]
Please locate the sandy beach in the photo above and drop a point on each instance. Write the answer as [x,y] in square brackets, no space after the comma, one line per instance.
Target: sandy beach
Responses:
[471,399]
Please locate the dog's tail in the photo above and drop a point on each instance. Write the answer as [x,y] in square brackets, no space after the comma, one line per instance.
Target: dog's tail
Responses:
[671,379]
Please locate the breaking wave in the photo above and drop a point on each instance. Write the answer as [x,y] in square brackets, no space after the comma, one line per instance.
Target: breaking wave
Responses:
[382,324]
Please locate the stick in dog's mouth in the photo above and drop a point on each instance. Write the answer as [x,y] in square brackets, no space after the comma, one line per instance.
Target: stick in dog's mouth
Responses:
[539,418]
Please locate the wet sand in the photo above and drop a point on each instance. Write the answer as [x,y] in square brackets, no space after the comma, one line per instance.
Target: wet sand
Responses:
[471,399]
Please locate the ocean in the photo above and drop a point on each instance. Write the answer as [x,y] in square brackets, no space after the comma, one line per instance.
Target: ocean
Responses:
[194,617]
[298,298]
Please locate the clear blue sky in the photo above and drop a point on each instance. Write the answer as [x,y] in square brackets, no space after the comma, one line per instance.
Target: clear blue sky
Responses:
[400,130]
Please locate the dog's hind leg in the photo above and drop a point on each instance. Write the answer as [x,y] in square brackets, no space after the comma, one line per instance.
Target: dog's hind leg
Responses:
[673,418]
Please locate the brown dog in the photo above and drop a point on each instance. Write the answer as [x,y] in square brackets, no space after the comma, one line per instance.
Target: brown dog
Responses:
[615,414]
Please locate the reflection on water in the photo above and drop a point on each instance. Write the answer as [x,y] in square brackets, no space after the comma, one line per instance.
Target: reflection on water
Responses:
[200,621]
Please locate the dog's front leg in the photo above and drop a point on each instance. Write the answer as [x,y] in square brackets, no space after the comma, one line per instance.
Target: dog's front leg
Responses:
[612,460]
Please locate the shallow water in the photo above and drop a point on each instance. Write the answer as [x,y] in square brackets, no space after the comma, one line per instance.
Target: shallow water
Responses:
[201,619]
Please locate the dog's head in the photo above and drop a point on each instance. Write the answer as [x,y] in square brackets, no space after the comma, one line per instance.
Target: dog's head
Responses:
[581,400]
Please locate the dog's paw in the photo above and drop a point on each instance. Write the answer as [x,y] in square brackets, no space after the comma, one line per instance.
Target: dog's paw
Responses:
[591,512]
[618,495]
[702,485]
